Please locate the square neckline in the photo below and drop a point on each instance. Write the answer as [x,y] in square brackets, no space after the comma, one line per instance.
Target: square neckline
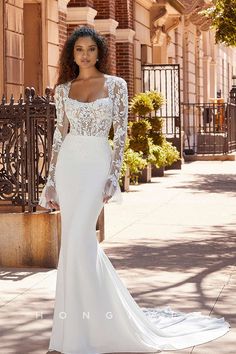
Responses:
[97,99]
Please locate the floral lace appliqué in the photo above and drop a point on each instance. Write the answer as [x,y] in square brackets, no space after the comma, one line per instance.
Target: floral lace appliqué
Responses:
[90,119]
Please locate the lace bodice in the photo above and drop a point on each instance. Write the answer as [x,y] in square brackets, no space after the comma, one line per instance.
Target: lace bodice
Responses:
[92,119]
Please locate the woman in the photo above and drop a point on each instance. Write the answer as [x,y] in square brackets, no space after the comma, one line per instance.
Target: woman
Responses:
[94,312]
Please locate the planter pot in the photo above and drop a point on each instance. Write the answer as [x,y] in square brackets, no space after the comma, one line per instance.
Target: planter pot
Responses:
[34,239]
[125,181]
[158,171]
[175,166]
[30,239]
[146,174]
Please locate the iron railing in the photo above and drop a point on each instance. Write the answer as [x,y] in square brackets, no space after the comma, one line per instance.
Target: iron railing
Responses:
[209,128]
[26,133]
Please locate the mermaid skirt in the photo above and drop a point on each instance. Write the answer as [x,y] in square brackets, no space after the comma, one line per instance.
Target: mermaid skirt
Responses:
[94,312]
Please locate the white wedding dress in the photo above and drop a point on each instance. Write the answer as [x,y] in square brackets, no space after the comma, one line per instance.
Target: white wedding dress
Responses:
[94,312]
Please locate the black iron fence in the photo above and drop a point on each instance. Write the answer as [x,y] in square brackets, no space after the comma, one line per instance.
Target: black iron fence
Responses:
[209,128]
[26,132]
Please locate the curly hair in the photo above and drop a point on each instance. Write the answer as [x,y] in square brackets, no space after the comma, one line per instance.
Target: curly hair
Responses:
[68,69]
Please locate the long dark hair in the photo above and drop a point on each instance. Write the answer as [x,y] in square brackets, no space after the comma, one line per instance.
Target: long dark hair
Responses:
[68,69]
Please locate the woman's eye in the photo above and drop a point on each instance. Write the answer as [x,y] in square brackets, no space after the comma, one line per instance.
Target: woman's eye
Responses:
[90,49]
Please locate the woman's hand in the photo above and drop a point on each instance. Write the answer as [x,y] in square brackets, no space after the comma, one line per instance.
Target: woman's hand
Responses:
[108,191]
[53,205]
[106,198]
[51,196]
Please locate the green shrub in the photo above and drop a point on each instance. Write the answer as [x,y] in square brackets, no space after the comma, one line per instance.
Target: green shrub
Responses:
[156,124]
[135,161]
[164,155]
[140,128]
[132,160]
[157,99]
[158,156]
[141,104]
[171,152]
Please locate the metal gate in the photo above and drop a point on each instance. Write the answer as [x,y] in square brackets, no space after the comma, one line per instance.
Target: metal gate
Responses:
[209,128]
[26,131]
[165,78]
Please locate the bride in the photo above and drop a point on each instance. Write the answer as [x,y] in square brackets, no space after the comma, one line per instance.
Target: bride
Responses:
[94,313]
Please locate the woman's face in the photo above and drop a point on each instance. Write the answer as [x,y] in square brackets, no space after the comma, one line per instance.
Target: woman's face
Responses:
[85,52]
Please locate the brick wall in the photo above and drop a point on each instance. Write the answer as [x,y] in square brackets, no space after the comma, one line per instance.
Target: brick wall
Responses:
[62,29]
[125,50]
[124,13]
[82,3]
[125,64]
[111,54]
[105,8]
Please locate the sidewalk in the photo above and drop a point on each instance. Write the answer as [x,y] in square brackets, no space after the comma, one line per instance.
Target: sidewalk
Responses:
[172,242]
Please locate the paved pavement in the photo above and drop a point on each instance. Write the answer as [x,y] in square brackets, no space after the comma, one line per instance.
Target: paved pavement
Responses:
[172,242]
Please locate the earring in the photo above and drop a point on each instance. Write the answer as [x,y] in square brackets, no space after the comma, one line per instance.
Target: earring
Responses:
[97,59]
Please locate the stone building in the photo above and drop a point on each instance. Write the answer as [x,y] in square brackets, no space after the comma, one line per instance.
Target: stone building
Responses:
[32,32]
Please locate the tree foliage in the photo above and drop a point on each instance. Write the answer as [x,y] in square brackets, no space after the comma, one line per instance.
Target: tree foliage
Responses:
[223,17]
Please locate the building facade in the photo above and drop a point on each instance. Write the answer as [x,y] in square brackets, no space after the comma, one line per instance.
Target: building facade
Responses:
[32,33]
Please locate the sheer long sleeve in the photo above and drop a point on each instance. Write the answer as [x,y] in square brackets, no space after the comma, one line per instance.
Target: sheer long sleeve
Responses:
[62,125]
[120,120]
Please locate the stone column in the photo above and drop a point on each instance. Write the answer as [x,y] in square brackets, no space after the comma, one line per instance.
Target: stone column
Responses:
[206,78]
[107,27]
[213,79]
[213,66]
[106,24]
[62,15]
[125,42]
[125,56]
[189,83]
[199,66]
[80,13]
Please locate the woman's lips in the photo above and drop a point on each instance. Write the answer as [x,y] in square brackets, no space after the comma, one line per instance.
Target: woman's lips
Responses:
[85,61]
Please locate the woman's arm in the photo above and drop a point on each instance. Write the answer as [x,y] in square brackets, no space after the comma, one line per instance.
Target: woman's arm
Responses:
[49,192]
[120,120]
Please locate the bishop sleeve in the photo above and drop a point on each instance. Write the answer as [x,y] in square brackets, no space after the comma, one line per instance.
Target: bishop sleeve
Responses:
[120,120]
[62,124]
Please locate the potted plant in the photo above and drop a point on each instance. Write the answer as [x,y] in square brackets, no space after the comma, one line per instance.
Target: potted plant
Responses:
[141,105]
[158,138]
[146,134]
[171,152]
[140,142]
[157,99]
[134,163]
[162,156]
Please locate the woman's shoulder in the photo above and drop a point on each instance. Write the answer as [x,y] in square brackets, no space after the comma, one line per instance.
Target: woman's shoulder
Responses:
[62,88]
[59,87]
[63,85]
[116,79]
